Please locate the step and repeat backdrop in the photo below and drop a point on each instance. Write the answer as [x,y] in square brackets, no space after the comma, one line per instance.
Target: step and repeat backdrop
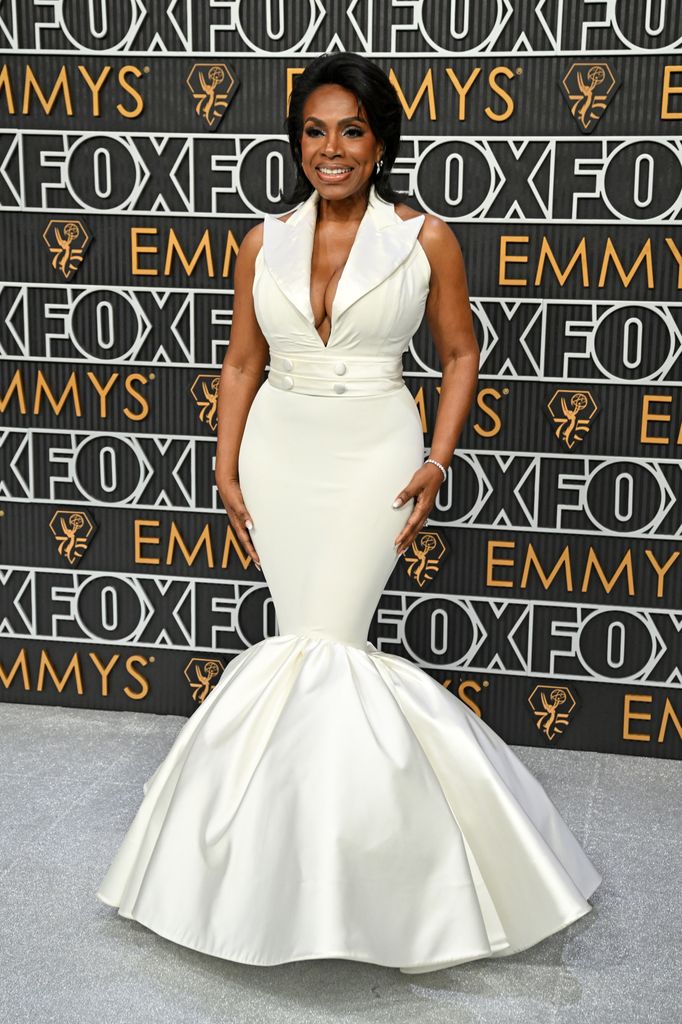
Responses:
[139,141]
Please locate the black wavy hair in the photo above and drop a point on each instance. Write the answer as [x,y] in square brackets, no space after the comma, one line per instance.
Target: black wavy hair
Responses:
[372,87]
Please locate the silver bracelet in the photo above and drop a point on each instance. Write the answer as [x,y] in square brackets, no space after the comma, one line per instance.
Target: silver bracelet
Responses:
[437,463]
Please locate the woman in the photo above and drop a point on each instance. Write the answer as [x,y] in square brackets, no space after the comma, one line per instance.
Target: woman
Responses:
[328,799]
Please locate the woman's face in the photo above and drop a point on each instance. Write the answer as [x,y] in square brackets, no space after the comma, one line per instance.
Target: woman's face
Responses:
[337,137]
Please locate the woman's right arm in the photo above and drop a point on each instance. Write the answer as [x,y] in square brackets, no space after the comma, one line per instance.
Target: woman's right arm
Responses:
[240,377]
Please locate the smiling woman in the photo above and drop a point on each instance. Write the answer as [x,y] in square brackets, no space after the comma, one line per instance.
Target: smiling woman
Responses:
[330,799]
[337,146]
[324,148]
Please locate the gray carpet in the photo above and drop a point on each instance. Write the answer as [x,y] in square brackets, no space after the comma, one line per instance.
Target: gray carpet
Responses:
[71,782]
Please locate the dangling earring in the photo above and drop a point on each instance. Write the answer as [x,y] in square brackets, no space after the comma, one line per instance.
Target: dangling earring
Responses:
[378,165]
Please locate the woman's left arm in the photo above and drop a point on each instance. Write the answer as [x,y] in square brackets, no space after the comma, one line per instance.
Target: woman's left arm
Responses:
[449,318]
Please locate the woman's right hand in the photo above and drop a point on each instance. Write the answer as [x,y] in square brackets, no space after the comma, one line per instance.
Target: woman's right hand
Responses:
[233,500]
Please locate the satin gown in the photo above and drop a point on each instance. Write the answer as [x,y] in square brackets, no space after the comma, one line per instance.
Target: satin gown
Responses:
[328,799]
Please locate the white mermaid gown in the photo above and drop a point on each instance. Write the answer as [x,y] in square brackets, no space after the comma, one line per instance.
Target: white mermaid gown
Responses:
[328,799]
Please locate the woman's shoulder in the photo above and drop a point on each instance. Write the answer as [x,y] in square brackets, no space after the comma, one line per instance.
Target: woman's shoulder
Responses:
[436,237]
[406,212]
[249,247]
[252,242]
[433,227]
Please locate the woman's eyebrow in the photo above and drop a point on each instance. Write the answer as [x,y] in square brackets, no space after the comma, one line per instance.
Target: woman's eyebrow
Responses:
[342,120]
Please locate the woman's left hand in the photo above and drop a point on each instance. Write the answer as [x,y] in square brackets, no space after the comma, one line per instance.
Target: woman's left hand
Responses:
[424,487]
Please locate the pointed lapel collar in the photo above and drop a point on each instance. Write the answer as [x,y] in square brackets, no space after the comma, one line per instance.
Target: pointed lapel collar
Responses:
[288,249]
[382,242]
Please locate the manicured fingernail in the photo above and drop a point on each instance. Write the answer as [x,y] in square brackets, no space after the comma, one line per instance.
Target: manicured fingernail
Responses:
[249,524]
[397,503]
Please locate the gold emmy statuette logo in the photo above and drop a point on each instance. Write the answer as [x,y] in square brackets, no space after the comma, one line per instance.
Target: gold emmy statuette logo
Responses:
[552,707]
[67,240]
[588,89]
[212,86]
[571,412]
[205,394]
[199,673]
[73,530]
[424,556]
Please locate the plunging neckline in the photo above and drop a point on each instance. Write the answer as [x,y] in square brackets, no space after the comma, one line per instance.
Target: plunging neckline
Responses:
[332,317]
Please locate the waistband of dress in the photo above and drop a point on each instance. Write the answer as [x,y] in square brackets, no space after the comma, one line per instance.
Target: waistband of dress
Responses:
[329,374]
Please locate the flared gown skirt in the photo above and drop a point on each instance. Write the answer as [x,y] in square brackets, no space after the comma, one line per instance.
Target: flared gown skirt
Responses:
[328,799]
